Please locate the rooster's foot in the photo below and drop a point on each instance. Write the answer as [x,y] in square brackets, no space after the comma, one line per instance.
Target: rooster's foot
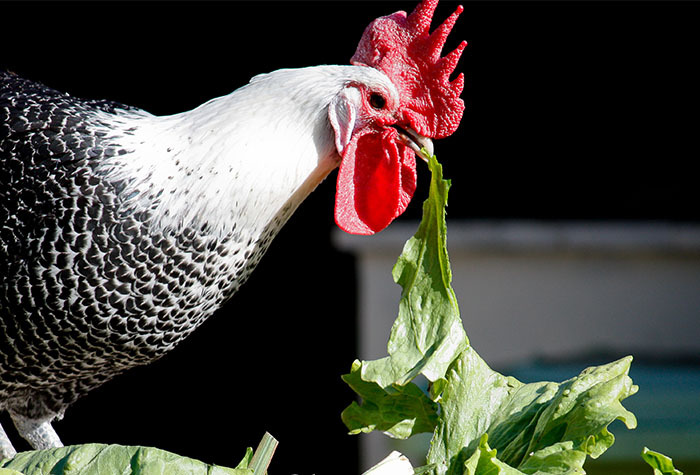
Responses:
[7,451]
[38,432]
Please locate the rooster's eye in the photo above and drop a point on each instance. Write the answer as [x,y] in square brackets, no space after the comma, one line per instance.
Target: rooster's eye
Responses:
[377,101]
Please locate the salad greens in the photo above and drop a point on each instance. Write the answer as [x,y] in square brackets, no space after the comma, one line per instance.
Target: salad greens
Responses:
[661,464]
[482,422]
[100,459]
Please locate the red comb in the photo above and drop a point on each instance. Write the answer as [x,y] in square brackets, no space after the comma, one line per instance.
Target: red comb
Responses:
[404,49]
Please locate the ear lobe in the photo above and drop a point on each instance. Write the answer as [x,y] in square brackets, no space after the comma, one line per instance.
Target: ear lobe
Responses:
[342,115]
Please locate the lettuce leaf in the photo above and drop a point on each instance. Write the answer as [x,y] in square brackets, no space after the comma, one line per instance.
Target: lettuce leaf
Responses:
[661,464]
[99,459]
[400,412]
[482,422]
[428,333]
[540,427]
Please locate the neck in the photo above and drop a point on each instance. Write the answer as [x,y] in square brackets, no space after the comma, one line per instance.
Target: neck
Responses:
[240,161]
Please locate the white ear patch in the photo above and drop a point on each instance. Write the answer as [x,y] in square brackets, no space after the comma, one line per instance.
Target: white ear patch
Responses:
[342,114]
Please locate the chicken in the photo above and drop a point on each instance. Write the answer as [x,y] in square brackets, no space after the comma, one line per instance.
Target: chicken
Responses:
[121,231]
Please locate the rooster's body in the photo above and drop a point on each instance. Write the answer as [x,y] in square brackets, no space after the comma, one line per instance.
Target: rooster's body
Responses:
[121,232]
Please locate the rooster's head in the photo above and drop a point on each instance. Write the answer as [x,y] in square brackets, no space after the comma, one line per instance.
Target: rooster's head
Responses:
[380,129]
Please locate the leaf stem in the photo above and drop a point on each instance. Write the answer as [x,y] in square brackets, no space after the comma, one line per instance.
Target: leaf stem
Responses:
[263,454]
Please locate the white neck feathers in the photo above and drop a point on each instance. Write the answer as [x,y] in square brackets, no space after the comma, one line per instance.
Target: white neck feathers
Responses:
[235,161]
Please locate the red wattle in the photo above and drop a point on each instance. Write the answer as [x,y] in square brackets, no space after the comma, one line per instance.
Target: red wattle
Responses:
[376,181]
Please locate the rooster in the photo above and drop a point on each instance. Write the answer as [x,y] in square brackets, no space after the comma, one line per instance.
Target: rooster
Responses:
[121,231]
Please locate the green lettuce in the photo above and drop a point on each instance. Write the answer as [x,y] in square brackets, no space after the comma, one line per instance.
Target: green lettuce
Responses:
[661,464]
[428,333]
[482,422]
[540,427]
[101,459]
[399,411]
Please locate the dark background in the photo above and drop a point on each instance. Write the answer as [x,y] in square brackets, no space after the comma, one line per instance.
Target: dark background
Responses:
[575,110]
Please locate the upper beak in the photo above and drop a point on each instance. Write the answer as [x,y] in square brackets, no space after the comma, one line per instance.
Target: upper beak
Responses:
[423,146]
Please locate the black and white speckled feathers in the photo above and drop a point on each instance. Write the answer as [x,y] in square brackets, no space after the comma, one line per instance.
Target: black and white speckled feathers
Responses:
[88,286]
[85,291]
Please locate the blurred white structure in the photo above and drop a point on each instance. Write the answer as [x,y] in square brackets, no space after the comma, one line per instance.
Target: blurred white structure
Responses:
[547,289]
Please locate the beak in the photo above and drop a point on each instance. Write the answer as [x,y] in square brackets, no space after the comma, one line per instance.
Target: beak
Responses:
[423,146]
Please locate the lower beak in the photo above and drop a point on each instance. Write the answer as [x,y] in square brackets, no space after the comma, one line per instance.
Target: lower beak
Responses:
[423,146]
